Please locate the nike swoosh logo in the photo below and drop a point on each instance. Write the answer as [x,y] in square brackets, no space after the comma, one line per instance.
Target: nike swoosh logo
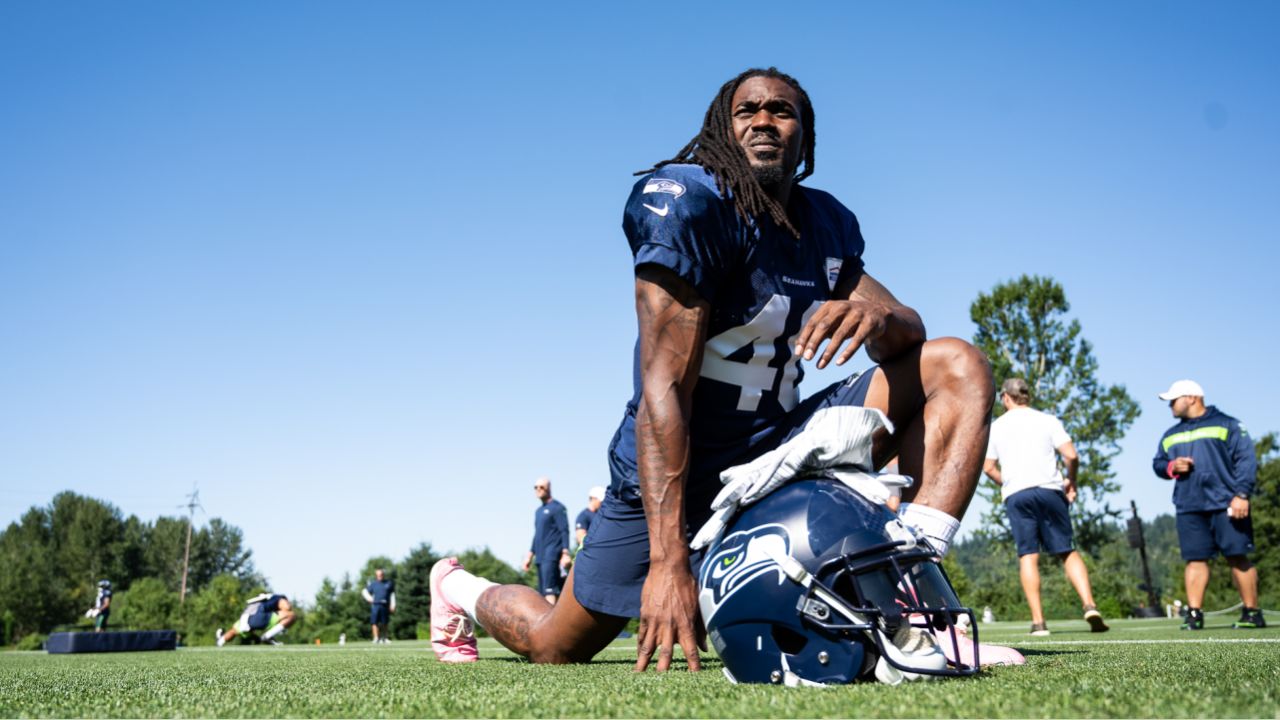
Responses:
[656,211]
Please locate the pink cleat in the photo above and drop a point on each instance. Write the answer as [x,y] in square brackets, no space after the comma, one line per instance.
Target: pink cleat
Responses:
[452,636]
[988,654]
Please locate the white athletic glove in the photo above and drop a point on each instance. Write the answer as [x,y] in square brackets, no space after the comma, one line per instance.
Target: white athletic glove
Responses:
[836,439]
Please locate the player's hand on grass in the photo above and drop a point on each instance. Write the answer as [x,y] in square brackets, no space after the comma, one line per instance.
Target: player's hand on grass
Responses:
[847,323]
[669,617]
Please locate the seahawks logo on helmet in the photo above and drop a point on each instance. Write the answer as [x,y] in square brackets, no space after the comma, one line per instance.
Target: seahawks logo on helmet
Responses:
[739,559]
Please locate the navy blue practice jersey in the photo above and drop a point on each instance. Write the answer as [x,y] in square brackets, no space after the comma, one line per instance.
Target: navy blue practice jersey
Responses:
[381,590]
[550,532]
[762,285]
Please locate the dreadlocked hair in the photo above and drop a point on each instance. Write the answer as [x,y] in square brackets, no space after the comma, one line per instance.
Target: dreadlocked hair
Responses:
[716,149]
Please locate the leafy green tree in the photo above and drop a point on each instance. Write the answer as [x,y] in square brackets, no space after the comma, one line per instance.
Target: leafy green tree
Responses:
[52,558]
[481,562]
[324,619]
[147,605]
[1265,511]
[216,549]
[413,593]
[31,588]
[1024,331]
[217,605]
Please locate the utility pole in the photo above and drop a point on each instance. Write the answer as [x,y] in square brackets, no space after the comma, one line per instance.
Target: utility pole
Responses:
[193,502]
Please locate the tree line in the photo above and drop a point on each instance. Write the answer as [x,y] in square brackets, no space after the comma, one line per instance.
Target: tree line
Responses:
[53,557]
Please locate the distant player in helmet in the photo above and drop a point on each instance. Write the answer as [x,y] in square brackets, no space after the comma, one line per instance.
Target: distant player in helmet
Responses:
[265,618]
[101,610]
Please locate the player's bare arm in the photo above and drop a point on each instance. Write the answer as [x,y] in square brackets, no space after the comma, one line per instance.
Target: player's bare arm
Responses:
[992,469]
[1071,459]
[871,317]
[673,328]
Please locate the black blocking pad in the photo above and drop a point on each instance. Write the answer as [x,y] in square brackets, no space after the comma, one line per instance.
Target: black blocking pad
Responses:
[121,641]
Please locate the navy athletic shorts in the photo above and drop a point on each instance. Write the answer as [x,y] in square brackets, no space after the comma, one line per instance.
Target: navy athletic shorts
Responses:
[610,570]
[1201,535]
[378,614]
[550,581]
[260,620]
[1039,518]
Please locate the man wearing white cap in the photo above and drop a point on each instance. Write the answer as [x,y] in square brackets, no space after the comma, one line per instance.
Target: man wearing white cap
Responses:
[1210,456]
[583,523]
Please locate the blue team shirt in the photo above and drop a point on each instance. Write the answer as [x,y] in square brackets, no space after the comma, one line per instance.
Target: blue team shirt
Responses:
[550,532]
[584,519]
[104,594]
[762,285]
[381,591]
[1225,463]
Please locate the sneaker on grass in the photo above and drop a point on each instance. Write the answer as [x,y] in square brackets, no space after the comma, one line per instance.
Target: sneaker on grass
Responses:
[1250,619]
[1194,619]
[1094,618]
[1040,629]
[452,636]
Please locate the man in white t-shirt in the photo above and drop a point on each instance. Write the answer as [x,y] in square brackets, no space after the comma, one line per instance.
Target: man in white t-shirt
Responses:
[1022,459]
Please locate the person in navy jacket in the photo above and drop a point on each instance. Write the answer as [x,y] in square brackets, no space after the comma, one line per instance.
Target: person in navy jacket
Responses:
[1210,457]
[550,546]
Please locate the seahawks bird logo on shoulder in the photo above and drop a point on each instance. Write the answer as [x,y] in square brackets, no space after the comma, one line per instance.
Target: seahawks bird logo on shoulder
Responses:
[663,185]
[741,558]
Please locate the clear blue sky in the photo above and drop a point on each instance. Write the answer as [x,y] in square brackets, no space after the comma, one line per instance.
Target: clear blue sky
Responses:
[357,268]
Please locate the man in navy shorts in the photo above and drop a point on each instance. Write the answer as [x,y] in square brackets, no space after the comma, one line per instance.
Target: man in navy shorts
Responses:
[1210,457]
[1022,458]
[380,593]
[741,273]
[550,546]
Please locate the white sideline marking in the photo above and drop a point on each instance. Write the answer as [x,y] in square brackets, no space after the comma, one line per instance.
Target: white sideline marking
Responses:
[1223,641]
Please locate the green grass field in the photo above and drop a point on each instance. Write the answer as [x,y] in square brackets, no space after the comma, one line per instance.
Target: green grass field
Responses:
[1140,669]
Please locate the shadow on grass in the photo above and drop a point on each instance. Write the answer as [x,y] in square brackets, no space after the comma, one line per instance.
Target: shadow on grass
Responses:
[598,661]
[1037,651]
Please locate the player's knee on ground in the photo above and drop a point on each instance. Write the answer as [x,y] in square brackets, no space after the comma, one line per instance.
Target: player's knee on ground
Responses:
[552,651]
